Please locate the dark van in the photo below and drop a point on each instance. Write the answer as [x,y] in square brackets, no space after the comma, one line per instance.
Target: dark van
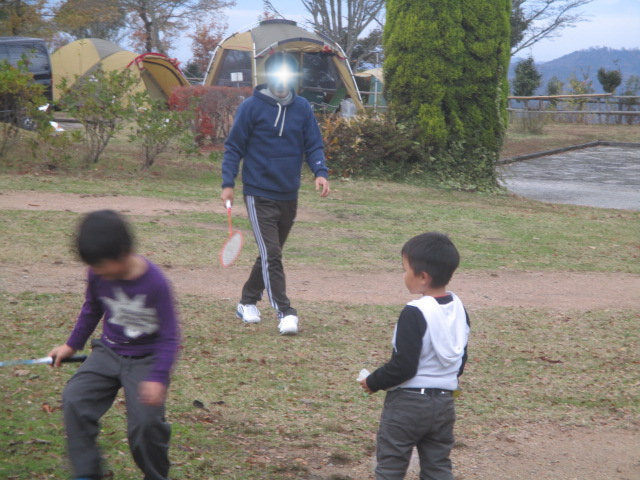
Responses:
[34,52]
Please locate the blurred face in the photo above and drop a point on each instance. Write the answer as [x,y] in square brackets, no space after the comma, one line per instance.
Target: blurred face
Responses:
[280,80]
[112,269]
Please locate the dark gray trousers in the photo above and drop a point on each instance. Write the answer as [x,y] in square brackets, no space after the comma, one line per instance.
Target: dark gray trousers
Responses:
[413,419]
[87,397]
[271,221]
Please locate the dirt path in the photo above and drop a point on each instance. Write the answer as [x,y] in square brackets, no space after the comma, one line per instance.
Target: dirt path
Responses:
[562,290]
[81,203]
[535,452]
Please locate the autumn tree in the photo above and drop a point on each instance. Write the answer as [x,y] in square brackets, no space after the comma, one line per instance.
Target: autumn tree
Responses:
[206,37]
[156,23]
[268,12]
[91,18]
[24,18]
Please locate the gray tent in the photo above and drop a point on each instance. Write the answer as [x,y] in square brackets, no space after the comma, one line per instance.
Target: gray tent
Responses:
[325,76]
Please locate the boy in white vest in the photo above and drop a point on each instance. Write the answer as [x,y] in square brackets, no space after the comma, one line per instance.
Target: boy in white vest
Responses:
[429,353]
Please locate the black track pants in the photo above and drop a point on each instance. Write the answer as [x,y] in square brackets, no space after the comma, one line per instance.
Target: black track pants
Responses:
[271,221]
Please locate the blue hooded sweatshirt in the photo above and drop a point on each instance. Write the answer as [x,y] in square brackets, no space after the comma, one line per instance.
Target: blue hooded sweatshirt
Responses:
[273,139]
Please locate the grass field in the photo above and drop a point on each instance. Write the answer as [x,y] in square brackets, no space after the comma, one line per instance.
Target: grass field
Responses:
[248,404]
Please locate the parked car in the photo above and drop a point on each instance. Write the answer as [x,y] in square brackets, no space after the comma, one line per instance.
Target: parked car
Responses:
[34,52]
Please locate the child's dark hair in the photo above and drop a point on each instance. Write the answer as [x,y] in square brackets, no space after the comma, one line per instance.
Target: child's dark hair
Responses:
[103,235]
[433,253]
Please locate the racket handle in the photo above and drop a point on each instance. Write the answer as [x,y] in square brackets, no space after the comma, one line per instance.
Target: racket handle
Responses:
[228,204]
[71,359]
[75,359]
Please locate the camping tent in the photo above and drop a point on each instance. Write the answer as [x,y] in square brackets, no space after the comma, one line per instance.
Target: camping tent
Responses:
[157,73]
[326,77]
[371,85]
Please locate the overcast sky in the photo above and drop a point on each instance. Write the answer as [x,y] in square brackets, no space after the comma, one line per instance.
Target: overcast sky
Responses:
[608,23]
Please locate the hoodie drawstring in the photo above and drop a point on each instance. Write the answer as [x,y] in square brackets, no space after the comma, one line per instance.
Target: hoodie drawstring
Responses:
[279,112]
[284,115]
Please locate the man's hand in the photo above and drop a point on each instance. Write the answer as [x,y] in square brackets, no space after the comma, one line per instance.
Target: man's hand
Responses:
[227,194]
[365,387]
[152,393]
[323,185]
[59,353]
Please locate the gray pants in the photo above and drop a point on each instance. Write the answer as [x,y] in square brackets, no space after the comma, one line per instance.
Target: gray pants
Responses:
[271,221]
[414,419]
[87,397]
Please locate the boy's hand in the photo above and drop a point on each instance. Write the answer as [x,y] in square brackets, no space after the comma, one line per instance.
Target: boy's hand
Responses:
[60,353]
[365,387]
[152,393]
[322,184]
[227,194]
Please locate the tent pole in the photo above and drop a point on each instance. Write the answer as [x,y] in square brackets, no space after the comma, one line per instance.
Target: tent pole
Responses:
[255,66]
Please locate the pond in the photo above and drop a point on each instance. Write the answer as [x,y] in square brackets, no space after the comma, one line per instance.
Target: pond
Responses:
[606,177]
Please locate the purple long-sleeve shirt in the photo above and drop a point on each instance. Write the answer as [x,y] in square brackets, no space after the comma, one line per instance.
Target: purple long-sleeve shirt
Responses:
[139,318]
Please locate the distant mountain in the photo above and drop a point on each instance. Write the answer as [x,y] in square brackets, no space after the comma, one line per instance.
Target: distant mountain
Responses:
[586,62]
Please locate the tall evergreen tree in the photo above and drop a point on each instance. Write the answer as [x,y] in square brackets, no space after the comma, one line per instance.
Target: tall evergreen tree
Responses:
[483,87]
[424,45]
[527,78]
[446,70]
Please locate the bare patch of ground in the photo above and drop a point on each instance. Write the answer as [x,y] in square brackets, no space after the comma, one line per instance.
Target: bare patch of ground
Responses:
[549,452]
[533,452]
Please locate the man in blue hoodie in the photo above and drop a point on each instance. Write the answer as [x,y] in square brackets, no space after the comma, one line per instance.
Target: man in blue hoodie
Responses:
[273,132]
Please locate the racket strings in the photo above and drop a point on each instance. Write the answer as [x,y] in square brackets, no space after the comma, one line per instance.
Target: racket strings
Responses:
[231,249]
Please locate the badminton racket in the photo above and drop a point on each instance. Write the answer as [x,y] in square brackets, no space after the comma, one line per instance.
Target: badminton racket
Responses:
[233,246]
[43,360]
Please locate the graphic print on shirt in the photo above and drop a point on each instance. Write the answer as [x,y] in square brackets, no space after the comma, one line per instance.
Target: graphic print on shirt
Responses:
[131,314]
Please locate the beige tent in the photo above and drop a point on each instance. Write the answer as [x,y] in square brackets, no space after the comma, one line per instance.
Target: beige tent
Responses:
[158,74]
[371,85]
[325,77]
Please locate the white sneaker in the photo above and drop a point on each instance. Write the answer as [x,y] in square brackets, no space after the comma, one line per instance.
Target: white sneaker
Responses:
[248,313]
[288,325]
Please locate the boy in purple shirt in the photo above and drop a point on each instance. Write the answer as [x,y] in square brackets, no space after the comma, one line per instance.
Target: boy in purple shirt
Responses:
[137,349]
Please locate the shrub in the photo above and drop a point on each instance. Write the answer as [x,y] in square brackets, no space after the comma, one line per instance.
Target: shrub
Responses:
[378,147]
[20,98]
[55,150]
[156,126]
[369,146]
[213,106]
[465,167]
[529,121]
[100,103]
